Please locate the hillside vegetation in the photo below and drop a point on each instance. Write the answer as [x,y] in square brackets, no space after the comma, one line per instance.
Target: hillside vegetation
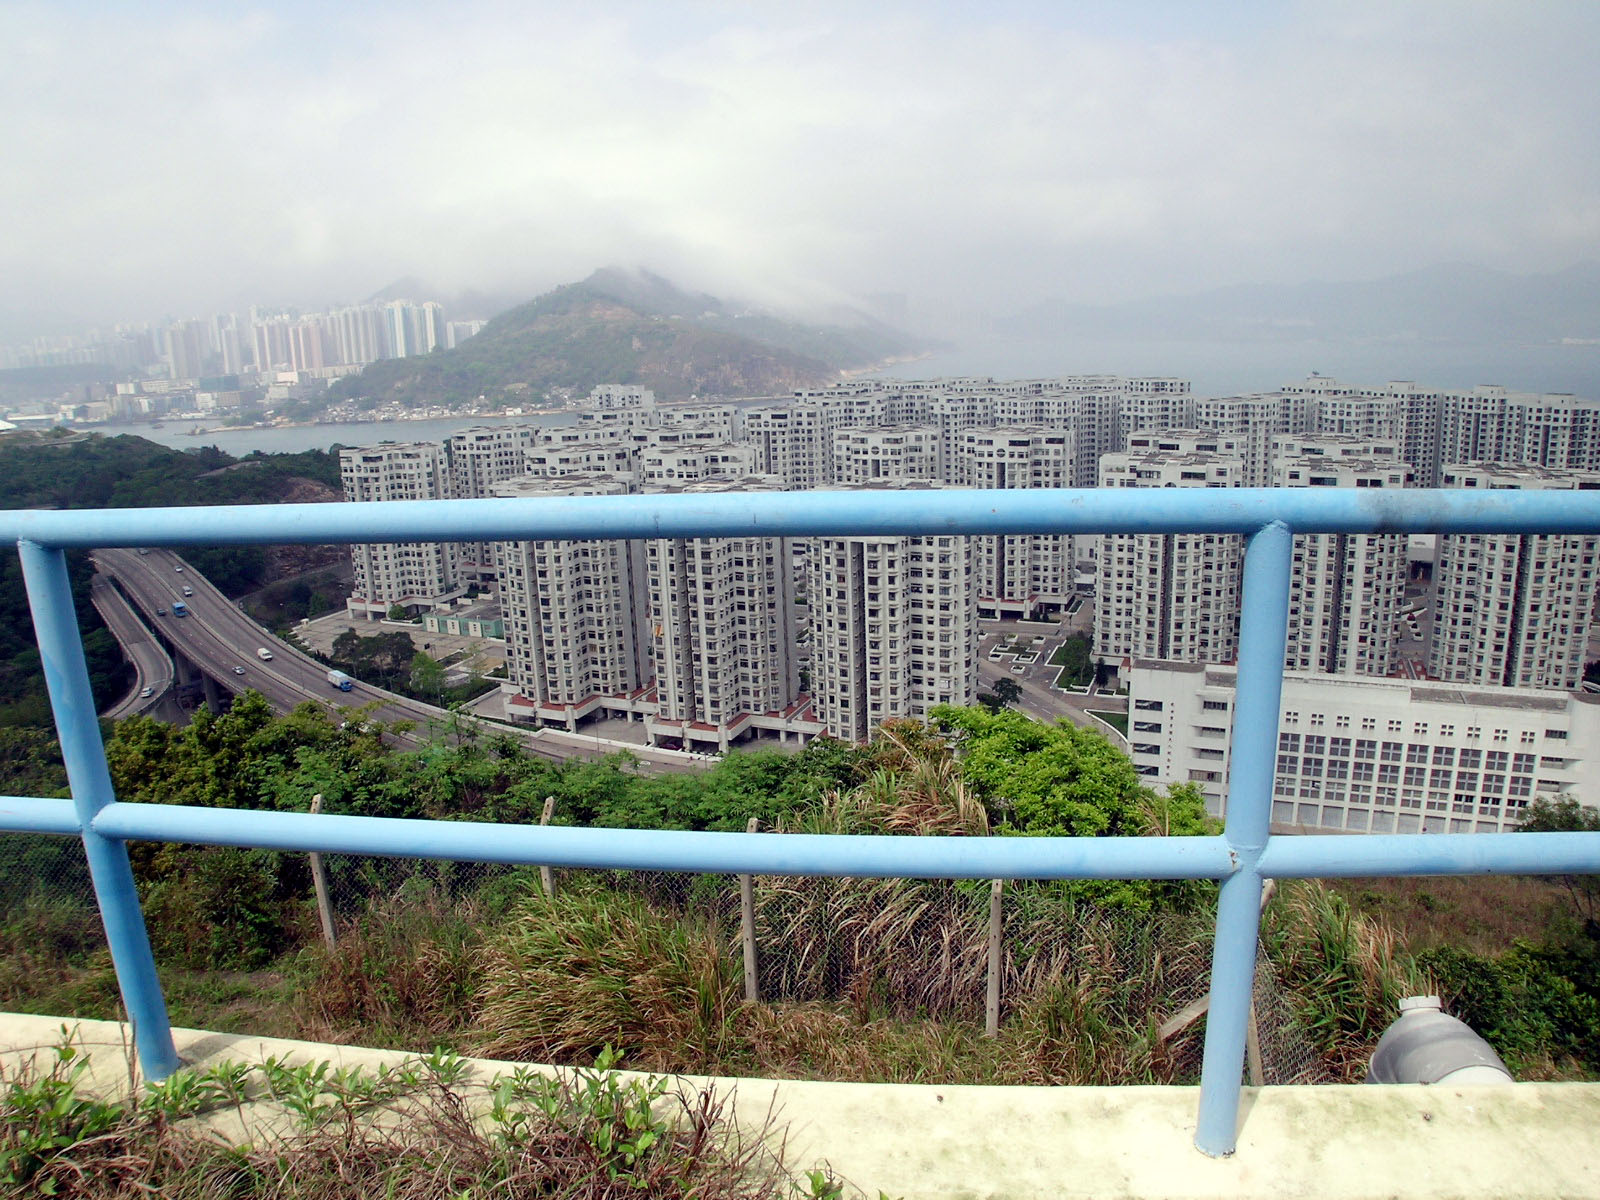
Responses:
[617,327]
[859,979]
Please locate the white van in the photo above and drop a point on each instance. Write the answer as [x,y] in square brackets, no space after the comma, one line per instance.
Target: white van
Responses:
[264,654]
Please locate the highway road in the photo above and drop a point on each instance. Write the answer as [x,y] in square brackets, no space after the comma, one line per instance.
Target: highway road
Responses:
[223,641]
[151,663]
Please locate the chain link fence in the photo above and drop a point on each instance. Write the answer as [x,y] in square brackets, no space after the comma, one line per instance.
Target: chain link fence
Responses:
[959,951]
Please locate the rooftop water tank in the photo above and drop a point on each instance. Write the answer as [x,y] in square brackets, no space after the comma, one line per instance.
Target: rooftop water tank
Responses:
[1427,1045]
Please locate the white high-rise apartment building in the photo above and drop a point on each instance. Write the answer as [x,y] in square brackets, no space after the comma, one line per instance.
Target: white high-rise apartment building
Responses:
[479,459]
[1170,595]
[1346,589]
[671,466]
[410,574]
[724,418]
[488,454]
[673,437]
[1155,409]
[722,628]
[1331,448]
[788,440]
[951,414]
[620,396]
[1379,417]
[1367,755]
[1513,609]
[1016,574]
[1492,424]
[576,641]
[1251,421]
[894,627]
[900,452]
[605,455]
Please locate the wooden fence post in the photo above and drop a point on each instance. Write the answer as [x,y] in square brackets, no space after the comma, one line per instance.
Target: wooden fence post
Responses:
[1191,1013]
[547,877]
[747,925]
[319,881]
[1252,1051]
[991,1011]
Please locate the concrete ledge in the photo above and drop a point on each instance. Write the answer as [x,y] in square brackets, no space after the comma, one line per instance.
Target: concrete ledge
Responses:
[947,1142]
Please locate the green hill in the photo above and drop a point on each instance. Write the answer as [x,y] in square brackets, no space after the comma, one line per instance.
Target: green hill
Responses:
[620,327]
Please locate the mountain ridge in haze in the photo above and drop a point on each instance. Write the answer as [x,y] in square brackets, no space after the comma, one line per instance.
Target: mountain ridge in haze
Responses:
[622,326]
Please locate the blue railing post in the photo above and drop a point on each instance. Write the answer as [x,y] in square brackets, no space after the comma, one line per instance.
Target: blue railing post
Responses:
[1262,642]
[44,570]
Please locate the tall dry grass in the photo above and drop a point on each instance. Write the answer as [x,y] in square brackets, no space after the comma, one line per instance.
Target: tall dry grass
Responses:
[1346,971]
[404,974]
[568,977]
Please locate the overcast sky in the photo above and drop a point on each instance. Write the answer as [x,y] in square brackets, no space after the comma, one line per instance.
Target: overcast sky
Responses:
[174,159]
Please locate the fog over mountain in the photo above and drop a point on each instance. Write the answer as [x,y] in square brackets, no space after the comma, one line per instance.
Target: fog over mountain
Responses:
[179,159]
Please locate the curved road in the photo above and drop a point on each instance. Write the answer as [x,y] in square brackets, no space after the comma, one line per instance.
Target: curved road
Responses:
[222,641]
[151,663]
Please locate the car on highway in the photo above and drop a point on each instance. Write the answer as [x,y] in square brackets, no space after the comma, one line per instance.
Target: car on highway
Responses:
[188,591]
[146,692]
[238,670]
[178,568]
[161,612]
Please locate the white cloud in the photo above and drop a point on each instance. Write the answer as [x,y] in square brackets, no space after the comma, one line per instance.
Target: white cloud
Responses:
[166,160]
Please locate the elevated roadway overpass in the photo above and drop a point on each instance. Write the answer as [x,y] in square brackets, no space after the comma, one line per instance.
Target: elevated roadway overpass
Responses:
[215,647]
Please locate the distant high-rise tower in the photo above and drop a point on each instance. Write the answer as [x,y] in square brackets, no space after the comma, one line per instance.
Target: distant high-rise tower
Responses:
[411,574]
[894,625]
[1346,589]
[1170,595]
[188,349]
[1513,610]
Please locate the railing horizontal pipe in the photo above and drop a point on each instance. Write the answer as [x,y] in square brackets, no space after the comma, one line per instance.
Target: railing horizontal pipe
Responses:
[32,814]
[668,850]
[784,514]
[1241,857]
[1431,854]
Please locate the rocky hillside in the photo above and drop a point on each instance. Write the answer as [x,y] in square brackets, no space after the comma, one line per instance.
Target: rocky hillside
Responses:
[622,327]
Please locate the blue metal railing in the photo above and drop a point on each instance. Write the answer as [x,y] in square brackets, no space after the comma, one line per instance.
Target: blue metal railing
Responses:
[1241,858]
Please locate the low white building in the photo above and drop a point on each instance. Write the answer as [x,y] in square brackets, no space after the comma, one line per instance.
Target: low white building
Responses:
[1368,755]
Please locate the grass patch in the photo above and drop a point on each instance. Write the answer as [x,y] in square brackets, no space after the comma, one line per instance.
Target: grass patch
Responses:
[1117,720]
[1483,915]
[570,976]
[1077,668]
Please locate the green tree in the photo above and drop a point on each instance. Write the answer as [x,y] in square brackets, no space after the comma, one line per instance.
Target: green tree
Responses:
[1061,781]
[1007,692]
[396,612]
[427,676]
[1564,814]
